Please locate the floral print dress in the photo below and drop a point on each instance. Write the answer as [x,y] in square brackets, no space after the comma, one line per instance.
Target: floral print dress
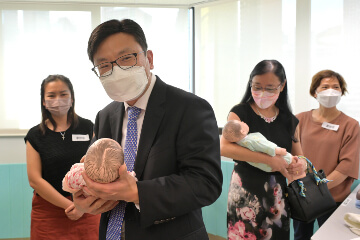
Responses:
[257,208]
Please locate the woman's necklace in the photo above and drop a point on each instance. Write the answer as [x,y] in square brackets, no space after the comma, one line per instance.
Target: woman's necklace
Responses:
[63,135]
[270,119]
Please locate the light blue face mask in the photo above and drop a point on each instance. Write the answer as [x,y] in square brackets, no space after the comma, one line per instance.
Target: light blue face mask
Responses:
[328,98]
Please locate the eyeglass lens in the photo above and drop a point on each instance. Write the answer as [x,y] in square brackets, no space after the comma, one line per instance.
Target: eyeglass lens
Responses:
[256,87]
[124,62]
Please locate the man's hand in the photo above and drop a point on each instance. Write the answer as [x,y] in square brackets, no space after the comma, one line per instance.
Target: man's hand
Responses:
[92,204]
[123,188]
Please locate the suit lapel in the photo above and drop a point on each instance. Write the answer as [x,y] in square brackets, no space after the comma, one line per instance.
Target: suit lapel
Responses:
[155,111]
[116,122]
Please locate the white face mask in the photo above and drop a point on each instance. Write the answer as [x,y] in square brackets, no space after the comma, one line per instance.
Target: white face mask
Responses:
[58,107]
[125,85]
[328,98]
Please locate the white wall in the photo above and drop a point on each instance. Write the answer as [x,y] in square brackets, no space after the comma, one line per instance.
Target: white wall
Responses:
[12,150]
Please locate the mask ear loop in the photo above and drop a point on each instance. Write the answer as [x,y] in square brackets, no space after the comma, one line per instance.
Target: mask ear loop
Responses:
[147,60]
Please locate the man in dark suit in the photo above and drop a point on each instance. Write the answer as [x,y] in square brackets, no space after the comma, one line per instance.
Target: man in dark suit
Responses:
[178,156]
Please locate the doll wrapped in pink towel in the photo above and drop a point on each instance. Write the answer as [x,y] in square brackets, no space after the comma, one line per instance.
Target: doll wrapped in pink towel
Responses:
[102,162]
[73,180]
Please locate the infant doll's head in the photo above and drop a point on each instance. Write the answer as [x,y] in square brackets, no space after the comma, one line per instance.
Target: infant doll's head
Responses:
[235,130]
[103,160]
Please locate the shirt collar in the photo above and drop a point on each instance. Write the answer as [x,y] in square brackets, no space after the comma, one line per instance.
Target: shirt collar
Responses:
[143,100]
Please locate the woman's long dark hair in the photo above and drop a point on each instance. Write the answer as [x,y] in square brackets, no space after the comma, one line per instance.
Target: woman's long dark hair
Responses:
[72,118]
[283,102]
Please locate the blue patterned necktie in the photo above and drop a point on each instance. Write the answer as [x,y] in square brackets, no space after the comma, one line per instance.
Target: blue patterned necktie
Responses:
[117,214]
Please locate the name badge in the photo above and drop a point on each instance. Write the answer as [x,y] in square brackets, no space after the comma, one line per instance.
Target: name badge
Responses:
[346,201]
[330,126]
[80,137]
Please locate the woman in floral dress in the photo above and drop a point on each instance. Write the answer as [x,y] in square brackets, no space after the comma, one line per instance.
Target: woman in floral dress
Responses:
[257,208]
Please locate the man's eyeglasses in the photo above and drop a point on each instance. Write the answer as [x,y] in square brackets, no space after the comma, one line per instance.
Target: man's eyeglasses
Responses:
[256,87]
[124,62]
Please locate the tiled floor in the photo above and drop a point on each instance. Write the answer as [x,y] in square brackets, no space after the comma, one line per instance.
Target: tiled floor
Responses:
[215,237]
[211,237]
[15,239]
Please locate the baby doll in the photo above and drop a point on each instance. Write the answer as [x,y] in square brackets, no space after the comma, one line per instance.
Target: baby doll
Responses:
[237,131]
[102,162]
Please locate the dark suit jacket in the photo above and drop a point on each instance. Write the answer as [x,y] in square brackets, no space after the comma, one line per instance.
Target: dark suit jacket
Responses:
[177,164]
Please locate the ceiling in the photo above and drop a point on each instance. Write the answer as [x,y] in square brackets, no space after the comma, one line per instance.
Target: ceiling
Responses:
[187,3]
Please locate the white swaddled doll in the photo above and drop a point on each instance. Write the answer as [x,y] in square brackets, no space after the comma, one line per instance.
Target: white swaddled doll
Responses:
[238,132]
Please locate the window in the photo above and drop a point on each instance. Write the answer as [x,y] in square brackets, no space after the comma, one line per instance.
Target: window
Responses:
[169,40]
[335,37]
[231,37]
[40,39]
[305,36]
[37,43]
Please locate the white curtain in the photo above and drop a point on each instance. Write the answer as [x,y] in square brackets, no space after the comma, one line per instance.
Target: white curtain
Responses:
[305,36]
[230,38]
[42,39]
